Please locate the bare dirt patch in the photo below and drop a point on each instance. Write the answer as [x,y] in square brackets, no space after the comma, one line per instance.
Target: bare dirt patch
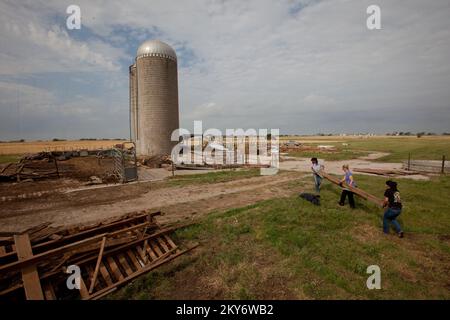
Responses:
[81,168]
[335,167]
[74,173]
[180,202]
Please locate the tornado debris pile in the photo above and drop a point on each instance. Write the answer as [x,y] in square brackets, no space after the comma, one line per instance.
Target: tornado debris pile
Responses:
[36,264]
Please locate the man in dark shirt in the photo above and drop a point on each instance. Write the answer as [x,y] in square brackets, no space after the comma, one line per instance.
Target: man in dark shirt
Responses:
[393,203]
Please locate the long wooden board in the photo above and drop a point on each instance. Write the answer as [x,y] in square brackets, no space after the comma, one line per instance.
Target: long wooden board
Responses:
[45,255]
[30,276]
[357,191]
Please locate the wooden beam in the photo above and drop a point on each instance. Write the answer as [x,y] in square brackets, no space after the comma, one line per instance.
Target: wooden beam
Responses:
[43,256]
[84,293]
[51,253]
[97,266]
[357,191]
[143,252]
[385,172]
[168,256]
[30,276]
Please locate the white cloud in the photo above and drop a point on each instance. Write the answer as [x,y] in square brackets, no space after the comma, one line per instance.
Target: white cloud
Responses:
[24,97]
[34,43]
[261,62]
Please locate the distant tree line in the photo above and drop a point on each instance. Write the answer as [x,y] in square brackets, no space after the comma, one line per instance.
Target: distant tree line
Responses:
[13,141]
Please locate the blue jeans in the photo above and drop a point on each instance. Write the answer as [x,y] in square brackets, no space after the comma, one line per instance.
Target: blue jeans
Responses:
[317,182]
[390,216]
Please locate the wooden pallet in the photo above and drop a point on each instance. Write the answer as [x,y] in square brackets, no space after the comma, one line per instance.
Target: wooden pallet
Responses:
[383,172]
[103,274]
[363,194]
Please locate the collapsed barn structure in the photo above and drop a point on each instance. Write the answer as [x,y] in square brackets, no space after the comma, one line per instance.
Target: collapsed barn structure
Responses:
[122,166]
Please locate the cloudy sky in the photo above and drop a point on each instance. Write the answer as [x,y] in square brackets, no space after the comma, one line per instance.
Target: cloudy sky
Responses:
[303,66]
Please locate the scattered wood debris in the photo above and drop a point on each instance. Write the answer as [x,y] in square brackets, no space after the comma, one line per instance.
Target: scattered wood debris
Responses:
[37,166]
[156,161]
[33,264]
[218,166]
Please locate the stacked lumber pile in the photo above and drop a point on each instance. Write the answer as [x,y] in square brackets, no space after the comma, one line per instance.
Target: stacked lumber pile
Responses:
[384,172]
[219,166]
[33,264]
[363,194]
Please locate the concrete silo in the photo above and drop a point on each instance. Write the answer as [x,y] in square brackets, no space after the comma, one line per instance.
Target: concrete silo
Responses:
[154,98]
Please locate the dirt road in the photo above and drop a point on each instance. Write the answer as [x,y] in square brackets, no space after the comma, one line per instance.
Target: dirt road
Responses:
[179,203]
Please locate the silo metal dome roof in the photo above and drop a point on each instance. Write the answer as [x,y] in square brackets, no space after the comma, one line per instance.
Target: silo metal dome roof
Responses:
[156,48]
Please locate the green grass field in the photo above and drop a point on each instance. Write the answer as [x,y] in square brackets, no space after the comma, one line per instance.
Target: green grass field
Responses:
[291,249]
[213,177]
[9,158]
[425,148]
[341,154]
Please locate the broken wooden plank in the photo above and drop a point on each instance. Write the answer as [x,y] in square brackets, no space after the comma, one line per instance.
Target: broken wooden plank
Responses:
[124,263]
[153,244]
[151,253]
[84,293]
[168,256]
[30,276]
[356,191]
[97,266]
[35,229]
[87,233]
[11,289]
[162,244]
[143,251]
[387,172]
[48,254]
[6,167]
[169,240]
[133,259]
[114,269]
[105,274]
[60,250]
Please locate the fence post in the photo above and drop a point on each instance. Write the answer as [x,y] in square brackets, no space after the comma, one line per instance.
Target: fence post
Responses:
[443,164]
